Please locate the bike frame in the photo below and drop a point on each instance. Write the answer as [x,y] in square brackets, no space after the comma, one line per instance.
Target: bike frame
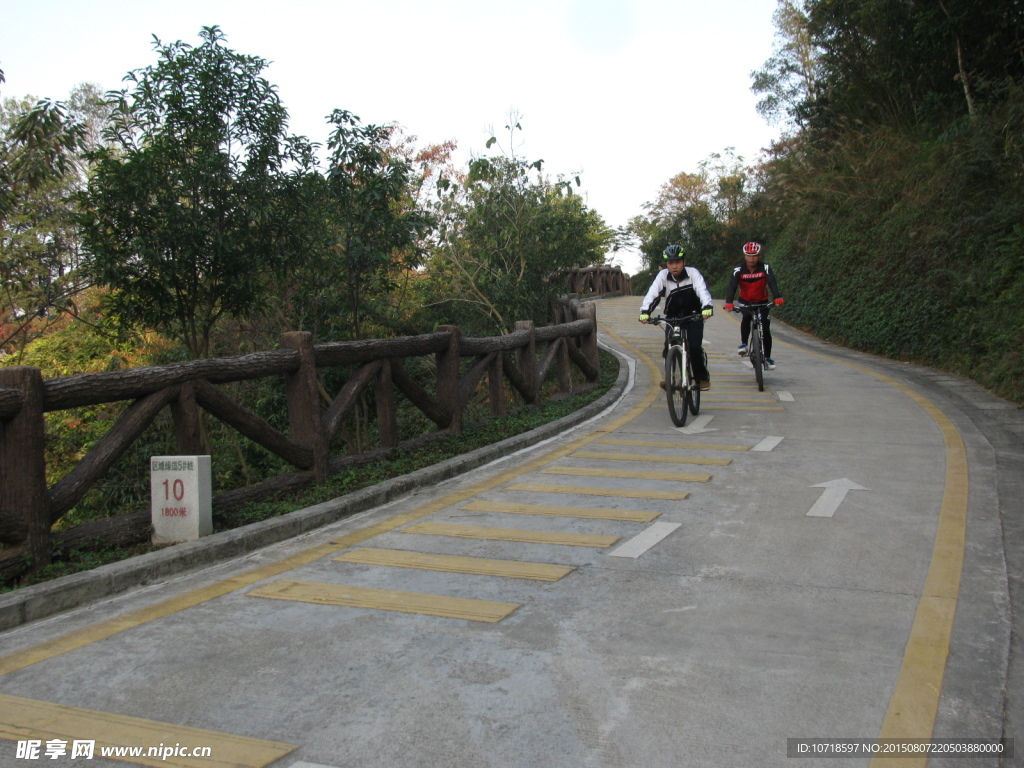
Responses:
[687,388]
[755,345]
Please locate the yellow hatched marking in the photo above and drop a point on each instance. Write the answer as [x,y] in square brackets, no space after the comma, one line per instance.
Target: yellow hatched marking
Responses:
[512,534]
[583,490]
[628,515]
[32,719]
[478,566]
[385,600]
[648,457]
[717,407]
[687,446]
[633,474]
[733,400]
[80,638]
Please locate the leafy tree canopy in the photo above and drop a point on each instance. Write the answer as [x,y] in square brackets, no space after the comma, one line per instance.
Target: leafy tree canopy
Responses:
[40,257]
[185,215]
[509,232]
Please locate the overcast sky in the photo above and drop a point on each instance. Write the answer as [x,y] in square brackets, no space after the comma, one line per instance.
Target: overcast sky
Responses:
[625,93]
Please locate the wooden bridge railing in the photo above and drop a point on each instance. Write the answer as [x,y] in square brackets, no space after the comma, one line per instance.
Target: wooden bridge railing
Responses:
[29,508]
[598,280]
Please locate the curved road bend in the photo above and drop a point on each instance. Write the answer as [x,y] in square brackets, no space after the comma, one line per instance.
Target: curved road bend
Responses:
[794,564]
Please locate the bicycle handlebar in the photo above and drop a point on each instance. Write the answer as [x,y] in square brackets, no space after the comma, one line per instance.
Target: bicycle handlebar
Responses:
[737,307]
[662,320]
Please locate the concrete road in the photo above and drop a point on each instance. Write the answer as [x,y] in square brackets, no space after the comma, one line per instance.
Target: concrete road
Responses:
[836,557]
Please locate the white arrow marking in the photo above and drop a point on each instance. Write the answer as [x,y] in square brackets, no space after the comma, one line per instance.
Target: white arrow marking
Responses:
[768,443]
[696,426]
[644,541]
[833,495]
[785,397]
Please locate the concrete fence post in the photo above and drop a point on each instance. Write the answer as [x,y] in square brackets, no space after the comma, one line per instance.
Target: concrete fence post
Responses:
[528,359]
[448,377]
[303,395]
[24,496]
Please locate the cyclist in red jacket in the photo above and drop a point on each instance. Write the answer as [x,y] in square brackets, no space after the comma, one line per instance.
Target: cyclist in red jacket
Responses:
[754,279]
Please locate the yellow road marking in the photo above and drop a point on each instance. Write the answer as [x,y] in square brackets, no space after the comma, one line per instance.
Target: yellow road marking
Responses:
[915,698]
[648,457]
[385,600]
[32,719]
[105,629]
[687,446]
[633,474]
[512,534]
[480,566]
[717,407]
[583,490]
[727,400]
[627,515]
[924,654]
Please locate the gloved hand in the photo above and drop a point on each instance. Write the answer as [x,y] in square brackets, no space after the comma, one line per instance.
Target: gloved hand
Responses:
[707,312]
[779,302]
[644,318]
[727,307]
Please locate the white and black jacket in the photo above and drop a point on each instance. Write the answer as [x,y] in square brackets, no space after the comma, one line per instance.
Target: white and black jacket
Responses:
[685,296]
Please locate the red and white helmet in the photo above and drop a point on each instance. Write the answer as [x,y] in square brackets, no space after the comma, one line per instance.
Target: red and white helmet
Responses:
[751,248]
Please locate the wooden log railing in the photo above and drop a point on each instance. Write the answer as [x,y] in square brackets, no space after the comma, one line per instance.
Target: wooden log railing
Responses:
[29,508]
[598,280]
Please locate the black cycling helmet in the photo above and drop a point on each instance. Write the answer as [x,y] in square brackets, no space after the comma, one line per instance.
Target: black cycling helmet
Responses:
[674,252]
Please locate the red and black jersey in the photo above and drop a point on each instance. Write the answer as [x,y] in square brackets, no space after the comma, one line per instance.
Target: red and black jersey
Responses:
[753,284]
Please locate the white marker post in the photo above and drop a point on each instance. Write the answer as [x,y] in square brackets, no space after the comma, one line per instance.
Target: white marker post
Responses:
[181,491]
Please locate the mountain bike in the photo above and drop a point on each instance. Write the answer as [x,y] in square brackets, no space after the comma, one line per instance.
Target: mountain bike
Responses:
[755,346]
[681,387]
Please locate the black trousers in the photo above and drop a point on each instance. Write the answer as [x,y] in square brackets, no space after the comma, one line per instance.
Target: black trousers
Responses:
[766,325]
[695,341]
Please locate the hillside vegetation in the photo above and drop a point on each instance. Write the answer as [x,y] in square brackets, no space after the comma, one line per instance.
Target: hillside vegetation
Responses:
[893,208]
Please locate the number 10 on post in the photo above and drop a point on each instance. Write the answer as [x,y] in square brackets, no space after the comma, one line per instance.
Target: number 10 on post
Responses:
[181,493]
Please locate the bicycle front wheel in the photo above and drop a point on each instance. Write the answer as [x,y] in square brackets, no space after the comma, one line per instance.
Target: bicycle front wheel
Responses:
[675,386]
[757,355]
[693,390]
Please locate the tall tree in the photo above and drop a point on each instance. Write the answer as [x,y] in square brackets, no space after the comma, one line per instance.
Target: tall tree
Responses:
[184,216]
[510,232]
[40,254]
[375,226]
[789,79]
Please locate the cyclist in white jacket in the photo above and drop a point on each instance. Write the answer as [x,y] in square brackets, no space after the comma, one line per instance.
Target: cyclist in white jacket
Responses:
[685,293]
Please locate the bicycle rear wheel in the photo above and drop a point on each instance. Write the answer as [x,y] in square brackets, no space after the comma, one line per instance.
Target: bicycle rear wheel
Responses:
[675,382]
[757,355]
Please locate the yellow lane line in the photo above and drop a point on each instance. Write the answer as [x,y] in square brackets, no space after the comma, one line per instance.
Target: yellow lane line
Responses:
[479,566]
[344,595]
[32,719]
[915,698]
